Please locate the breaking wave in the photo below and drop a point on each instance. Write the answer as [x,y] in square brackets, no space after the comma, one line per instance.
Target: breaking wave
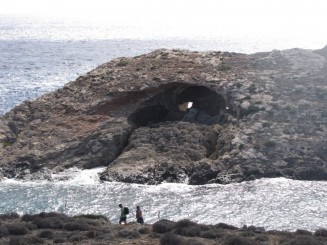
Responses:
[278,203]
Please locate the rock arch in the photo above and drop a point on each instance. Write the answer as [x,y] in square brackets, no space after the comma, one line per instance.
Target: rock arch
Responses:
[170,104]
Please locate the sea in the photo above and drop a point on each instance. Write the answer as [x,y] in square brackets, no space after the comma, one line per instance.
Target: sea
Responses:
[38,56]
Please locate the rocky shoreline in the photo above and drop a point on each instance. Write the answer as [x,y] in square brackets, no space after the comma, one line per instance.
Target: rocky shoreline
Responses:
[252,116]
[58,228]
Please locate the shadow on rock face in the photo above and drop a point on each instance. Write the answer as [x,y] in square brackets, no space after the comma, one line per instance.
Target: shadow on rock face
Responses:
[176,126]
[173,104]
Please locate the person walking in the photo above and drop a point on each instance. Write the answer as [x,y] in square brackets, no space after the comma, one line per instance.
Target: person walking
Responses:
[123,215]
[139,216]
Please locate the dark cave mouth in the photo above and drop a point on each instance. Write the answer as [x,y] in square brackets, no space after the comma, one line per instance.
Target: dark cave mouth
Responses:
[181,102]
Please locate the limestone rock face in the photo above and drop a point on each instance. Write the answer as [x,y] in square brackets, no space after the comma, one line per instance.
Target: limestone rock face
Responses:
[179,116]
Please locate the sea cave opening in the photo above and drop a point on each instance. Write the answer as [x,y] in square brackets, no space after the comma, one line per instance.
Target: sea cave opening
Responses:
[180,102]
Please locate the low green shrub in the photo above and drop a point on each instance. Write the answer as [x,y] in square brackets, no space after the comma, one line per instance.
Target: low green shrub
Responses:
[163,226]
[17,229]
[92,216]
[46,234]
[320,232]
[233,240]
[266,124]
[184,223]
[224,67]
[252,88]
[122,63]
[171,239]
[193,242]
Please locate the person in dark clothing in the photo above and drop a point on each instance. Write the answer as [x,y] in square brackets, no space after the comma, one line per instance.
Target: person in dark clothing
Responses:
[139,216]
[122,219]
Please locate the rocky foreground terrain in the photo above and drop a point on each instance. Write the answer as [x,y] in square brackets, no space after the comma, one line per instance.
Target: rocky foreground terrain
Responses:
[56,228]
[252,116]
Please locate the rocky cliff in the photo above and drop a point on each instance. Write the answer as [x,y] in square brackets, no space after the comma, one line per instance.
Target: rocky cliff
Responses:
[179,116]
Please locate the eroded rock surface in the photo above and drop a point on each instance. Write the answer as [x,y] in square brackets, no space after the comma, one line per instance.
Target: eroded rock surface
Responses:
[179,116]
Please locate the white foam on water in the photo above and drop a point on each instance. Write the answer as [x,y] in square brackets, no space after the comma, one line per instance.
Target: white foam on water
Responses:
[278,203]
[77,176]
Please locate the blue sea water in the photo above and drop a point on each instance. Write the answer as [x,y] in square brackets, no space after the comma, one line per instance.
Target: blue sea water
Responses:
[37,57]
[279,203]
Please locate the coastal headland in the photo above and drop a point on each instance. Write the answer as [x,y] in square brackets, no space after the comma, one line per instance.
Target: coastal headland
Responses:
[178,116]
